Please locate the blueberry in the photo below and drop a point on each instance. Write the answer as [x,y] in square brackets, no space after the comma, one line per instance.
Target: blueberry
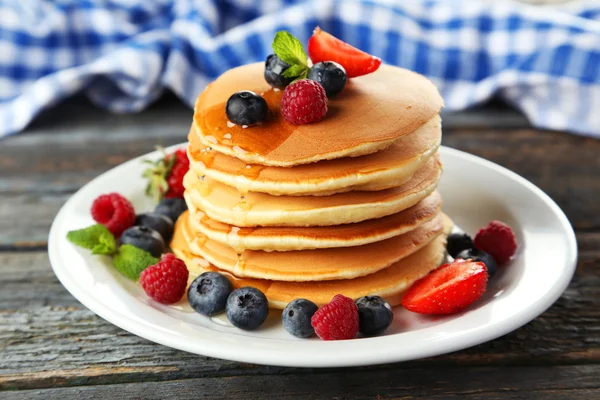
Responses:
[479,255]
[296,317]
[274,69]
[247,308]
[172,208]
[246,108]
[374,315]
[144,238]
[160,223]
[331,75]
[458,242]
[208,293]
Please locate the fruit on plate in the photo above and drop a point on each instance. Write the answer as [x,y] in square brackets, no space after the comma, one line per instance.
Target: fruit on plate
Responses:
[474,254]
[165,176]
[497,239]
[247,308]
[208,293]
[144,238]
[323,46]
[448,289]
[160,223]
[296,317]
[374,315]
[165,281]
[458,242]
[337,320]
[113,211]
[171,207]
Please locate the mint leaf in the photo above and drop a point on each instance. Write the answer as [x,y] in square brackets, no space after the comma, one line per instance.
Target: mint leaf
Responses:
[289,49]
[106,244]
[131,261]
[295,71]
[89,237]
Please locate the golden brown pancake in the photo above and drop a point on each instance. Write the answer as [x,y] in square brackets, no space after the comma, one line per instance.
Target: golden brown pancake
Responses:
[382,170]
[368,115]
[280,238]
[226,204]
[311,265]
[389,283]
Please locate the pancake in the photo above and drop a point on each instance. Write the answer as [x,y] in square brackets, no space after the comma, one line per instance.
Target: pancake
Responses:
[367,116]
[382,170]
[226,204]
[390,283]
[305,238]
[312,265]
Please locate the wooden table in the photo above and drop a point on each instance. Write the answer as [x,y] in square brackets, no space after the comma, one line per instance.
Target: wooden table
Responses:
[53,347]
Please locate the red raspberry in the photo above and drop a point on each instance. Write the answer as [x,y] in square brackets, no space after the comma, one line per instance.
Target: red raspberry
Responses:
[165,281]
[337,320]
[498,240]
[113,211]
[304,101]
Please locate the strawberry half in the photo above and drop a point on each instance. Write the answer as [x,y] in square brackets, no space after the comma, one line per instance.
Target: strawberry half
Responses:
[323,46]
[165,176]
[448,289]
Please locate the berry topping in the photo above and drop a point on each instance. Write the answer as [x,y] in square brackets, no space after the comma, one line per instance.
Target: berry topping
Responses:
[374,315]
[448,289]
[113,211]
[458,242]
[171,208]
[144,238]
[274,69]
[165,176]
[158,222]
[247,308]
[296,317]
[322,46]
[303,102]
[208,293]
[481,256]
[165,281]
[337,320]
[330,75]
[246,108]
[498,239]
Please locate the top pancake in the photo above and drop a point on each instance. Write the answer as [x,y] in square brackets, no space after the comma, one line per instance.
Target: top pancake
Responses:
[368,115]
[382,170]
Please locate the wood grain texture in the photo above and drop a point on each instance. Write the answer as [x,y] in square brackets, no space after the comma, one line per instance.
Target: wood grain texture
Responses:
[553,383]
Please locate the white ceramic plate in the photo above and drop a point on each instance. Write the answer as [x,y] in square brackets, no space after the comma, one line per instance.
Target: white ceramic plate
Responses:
[474,190]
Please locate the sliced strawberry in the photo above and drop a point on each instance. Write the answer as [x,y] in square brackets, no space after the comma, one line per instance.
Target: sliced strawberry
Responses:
[323,46]
[448,289]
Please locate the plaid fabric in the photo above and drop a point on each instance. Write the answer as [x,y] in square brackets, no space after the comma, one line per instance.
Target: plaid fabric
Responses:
[123,53]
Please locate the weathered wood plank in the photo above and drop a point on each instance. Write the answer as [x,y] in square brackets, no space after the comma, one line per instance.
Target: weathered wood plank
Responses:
[48,339]
[553,382]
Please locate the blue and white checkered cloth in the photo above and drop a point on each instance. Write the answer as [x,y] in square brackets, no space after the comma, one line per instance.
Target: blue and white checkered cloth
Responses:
[123,53]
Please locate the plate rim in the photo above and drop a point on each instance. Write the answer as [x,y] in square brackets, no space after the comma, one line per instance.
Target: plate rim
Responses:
[261,356]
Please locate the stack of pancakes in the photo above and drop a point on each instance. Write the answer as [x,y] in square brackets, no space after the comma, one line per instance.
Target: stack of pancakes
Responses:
[345,205]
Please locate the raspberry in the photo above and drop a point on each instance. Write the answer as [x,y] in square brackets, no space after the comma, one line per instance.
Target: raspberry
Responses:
[165,281]
[113,211]
[304,101]
[497,239]
[337,320]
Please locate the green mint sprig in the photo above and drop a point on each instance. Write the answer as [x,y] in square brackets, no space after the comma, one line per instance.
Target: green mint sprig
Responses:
[96,238]
[131,261]
[127,259]
[290,50]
